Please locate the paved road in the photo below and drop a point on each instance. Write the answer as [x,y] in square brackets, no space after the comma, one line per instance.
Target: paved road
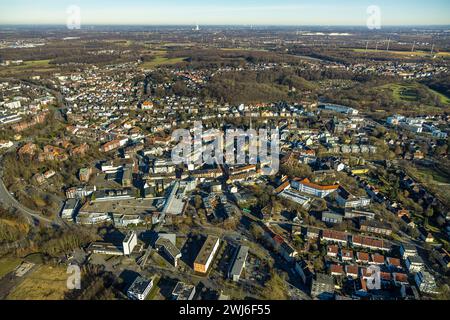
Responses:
[8,201]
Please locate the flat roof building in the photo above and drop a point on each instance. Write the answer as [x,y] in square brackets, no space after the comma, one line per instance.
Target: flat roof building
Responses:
[69,210]
[140,288]
[105,248]
[238,263]
[171,251]
[206,254]
[183,291]
[129,243]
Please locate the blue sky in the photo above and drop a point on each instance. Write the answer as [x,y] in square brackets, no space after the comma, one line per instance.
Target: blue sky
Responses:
[261,12]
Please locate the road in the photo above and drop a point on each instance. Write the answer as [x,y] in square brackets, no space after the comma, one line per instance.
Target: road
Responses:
[8,201]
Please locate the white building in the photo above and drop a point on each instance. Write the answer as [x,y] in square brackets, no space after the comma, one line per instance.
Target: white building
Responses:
[68,211]
[129,243]
[140,288]
[238,263]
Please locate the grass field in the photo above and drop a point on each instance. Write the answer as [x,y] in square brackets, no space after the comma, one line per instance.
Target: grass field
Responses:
[7,265]
[46,283]
[160,59]
[404,53]
[34,65]
[406,92]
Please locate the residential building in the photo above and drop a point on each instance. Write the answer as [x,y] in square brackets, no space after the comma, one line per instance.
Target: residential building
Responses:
[376,227]
[335,236]
[346,200]
[183,291]
[69,210]
[332,217]
[238,263]
[140,288]
[332,251]
[206,254]
[165,245]
[129,242]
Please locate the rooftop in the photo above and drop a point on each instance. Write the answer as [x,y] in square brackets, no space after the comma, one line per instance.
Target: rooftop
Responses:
[206,250]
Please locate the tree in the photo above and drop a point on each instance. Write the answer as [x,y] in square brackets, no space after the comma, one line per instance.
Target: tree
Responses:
[429,212]
[256,231]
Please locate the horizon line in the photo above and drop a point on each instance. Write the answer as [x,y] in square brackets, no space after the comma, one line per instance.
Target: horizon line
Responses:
[223,25]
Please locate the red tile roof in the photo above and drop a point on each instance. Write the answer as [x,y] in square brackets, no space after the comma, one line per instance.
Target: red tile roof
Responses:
[336,268]
[362,256]
[308,183]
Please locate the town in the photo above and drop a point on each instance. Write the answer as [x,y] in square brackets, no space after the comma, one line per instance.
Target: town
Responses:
[363,179]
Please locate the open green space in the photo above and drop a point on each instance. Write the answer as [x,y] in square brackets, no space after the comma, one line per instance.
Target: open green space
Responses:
[7,265]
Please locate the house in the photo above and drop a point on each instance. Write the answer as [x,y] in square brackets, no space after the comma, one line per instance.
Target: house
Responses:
[140,288]
[352,271]
[336,270]
[110,146]
[371,243]
[346,255]
[400,278]
[322,287]
[393,263]
[206,254]
[386,277]
[85,174]
[377,259]
[183,291]
[332,251]
[69,210]
[362,257]
[335,236]
[426,282]
[238,263]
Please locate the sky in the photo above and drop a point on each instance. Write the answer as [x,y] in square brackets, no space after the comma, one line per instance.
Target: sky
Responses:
[229,12]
